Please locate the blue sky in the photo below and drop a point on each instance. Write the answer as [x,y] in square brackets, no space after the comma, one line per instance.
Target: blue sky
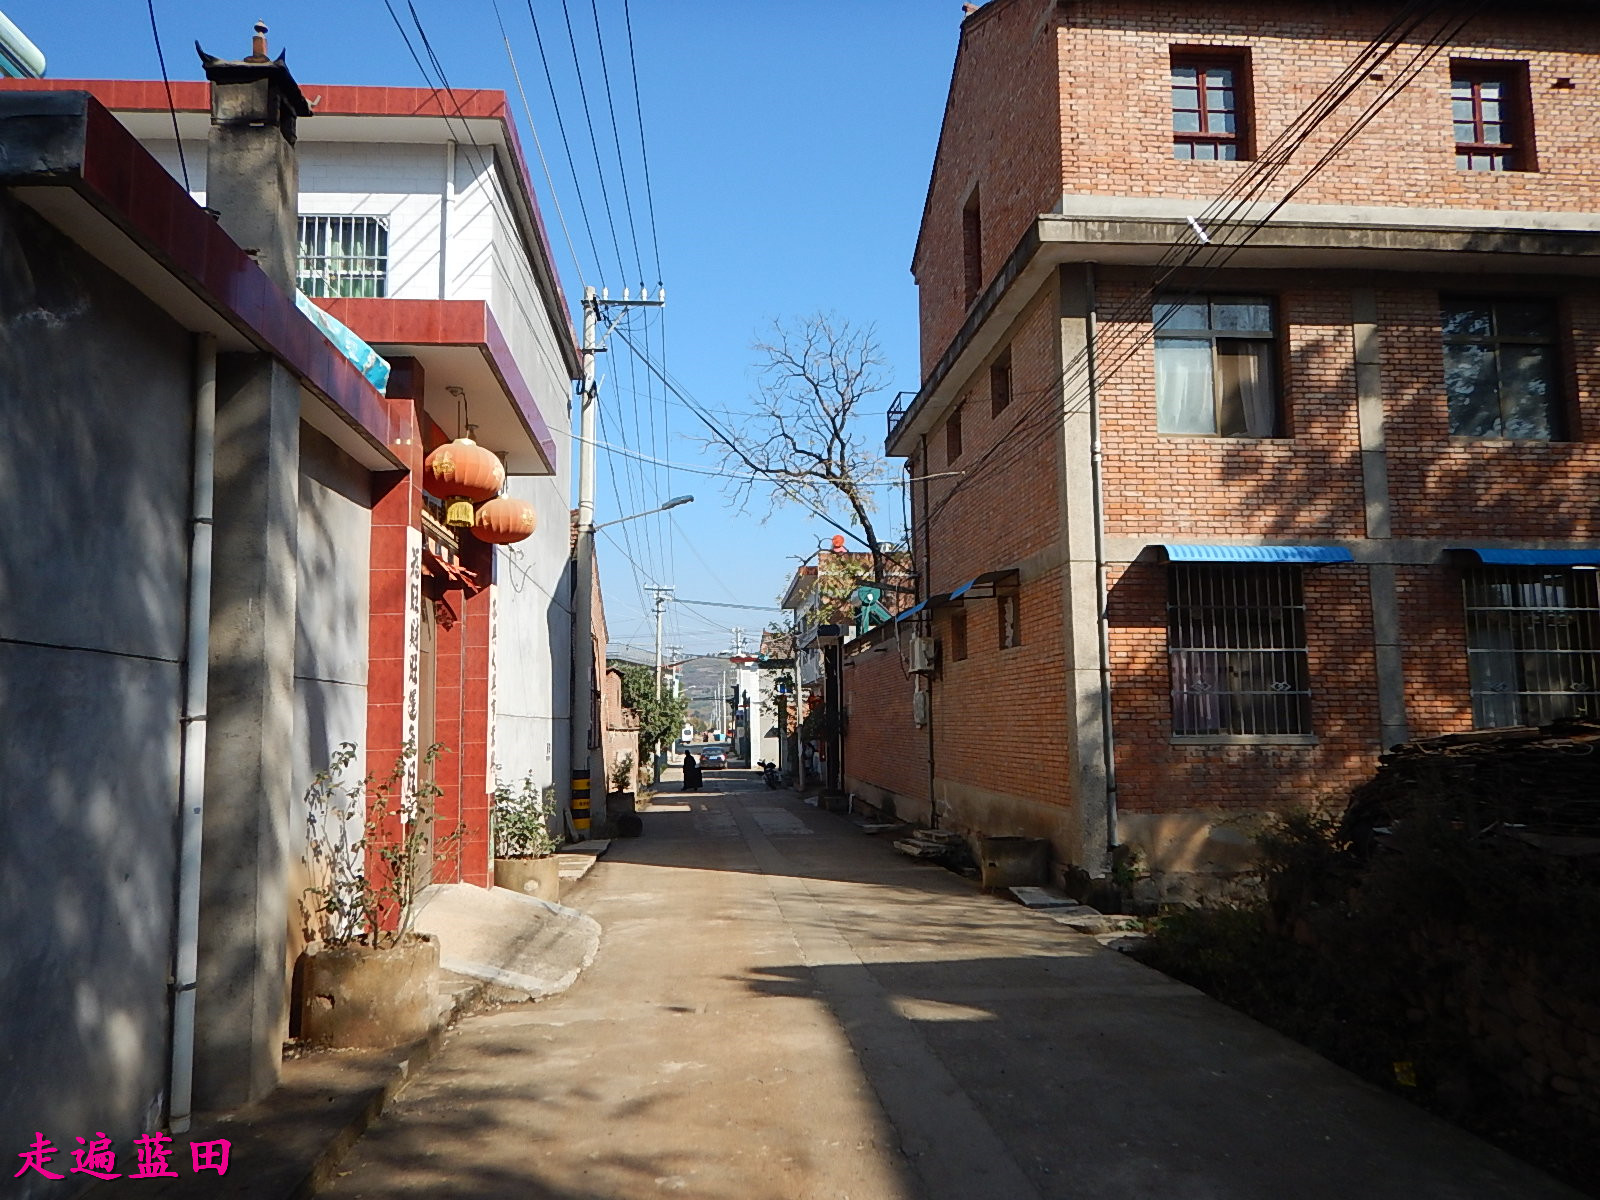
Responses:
[789,146]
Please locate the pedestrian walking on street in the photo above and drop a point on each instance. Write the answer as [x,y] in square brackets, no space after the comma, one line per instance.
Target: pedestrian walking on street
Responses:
[691,773]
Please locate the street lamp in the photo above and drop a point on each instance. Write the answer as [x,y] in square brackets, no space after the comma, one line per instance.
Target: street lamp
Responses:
[673,503]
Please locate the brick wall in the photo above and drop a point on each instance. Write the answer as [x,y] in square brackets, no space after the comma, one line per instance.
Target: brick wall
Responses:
[1304,485]
[885,754]
[1445,486]
[1004,89]
[1003,114]
[1154,775]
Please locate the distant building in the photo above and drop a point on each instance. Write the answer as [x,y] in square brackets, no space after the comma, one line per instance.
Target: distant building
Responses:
[1235,468]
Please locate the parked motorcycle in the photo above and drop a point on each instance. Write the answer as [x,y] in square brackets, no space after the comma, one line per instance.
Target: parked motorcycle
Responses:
[769,772]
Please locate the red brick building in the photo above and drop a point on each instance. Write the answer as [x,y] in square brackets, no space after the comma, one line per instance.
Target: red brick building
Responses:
[1262,340]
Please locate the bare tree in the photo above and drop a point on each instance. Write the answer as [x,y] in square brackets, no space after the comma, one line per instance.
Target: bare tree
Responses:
[802,436]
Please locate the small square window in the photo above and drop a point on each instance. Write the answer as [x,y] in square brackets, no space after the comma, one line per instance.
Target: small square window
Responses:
[1215,366]
[1000,384]
[952,436]
[958,637]
[1210,94]
[1010,620]
[1236,642]
[1492,111]
[1502,372]
[343,256]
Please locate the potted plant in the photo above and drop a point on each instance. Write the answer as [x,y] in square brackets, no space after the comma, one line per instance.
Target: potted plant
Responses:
[524,850]
[367,979]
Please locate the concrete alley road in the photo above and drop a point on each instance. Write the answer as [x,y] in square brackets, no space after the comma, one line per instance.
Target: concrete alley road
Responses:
[786,1009]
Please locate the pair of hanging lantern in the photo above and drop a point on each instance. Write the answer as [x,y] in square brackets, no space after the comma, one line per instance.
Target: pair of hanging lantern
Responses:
[463,474]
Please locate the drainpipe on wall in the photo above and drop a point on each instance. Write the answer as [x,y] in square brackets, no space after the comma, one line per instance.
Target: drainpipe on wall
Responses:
[926,588]
[192,770]
[1102,591]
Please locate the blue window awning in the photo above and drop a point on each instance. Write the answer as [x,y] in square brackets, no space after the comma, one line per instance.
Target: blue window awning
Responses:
[1256,554]
[1532,558]
[913,610]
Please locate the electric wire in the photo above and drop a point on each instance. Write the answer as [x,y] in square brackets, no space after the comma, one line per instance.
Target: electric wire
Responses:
[644,154]
[594,142]
[1132,343]
[616,137]
[172,107]
[566,144]
[538,146]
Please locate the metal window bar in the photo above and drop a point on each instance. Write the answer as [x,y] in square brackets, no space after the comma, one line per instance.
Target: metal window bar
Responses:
[1533,645]
[1236,645]
[344,256]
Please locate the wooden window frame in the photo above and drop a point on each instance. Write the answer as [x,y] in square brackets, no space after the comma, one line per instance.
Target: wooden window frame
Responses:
[1273,335]
[1204,60]
[1516,152]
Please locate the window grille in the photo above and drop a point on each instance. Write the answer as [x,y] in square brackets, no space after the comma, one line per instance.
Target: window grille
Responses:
[1501,368]
[1236,643]
[344,256]
[1215,366]
[1533,645]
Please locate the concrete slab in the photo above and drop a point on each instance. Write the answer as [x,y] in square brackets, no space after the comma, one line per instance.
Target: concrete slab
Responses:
[526,947]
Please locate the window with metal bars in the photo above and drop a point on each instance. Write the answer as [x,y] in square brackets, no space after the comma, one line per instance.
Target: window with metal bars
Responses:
[1491,106]
[1209,118]
[1236,645]
[1533,645]
[344,256]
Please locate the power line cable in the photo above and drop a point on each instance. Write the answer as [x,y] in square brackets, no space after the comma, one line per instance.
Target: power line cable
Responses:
[561,128]
[172,107]
[594,142]
[644,154]
[616,137]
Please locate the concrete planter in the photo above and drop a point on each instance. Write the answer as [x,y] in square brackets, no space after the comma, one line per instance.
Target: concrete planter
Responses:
[539,877]
[359,996]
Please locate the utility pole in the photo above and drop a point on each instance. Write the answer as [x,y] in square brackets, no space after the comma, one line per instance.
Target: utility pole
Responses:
[583,653]
[587,758]
[661,595]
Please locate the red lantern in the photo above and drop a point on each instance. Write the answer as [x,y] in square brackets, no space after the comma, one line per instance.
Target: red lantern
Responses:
[504,520]
[462,473]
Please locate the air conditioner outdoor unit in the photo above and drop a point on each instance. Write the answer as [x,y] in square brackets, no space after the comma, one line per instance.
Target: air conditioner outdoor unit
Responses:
[922,655]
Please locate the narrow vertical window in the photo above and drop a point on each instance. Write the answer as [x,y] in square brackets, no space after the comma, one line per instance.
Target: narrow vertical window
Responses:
[1209,110]
[1501,371]
[1214,366]
[952,436]
[972,248]
[1236,643]
[1000,384]
[1533,645]
[1492,109]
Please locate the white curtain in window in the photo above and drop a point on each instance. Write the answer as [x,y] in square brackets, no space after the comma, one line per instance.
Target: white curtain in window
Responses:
[1184,400]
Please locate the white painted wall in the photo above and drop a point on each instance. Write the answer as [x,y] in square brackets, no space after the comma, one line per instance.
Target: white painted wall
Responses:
[453,236]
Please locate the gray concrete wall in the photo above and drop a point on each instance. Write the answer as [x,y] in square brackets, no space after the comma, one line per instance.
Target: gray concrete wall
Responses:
[95,424]
[330,660]
[533,645]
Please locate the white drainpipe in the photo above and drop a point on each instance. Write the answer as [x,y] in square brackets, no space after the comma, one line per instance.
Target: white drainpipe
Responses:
[192,772]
